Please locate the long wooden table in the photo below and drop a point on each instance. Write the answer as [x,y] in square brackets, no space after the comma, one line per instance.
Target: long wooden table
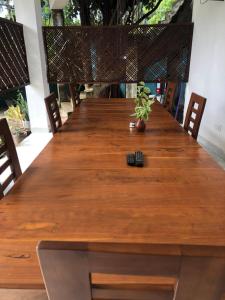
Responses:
[81,189]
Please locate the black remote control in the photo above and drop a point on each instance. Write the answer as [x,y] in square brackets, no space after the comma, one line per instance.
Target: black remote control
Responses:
[131,159]
[139,159]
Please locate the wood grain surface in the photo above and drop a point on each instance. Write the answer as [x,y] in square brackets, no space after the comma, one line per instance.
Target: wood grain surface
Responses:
[80,189]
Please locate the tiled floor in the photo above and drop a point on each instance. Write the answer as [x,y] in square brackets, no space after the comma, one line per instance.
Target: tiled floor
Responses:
[218,159]
[30,147]
[213,153]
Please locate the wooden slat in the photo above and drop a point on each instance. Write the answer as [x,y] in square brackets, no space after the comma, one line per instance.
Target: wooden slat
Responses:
[5,165]
[9,179]
[194,110]
[108,294]
[54,109]
[112,281]
[3,149]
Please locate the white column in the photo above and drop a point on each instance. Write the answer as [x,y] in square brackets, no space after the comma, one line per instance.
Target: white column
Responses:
[29,14]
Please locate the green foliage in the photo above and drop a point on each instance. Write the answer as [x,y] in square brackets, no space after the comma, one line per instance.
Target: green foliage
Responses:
[46,13]
[160,14]
[99,12]
[17,114]
[143,103]
[15,119]
[7,7]
[96,8]
[71,14]
[22,103]
[19,110]
[14,113]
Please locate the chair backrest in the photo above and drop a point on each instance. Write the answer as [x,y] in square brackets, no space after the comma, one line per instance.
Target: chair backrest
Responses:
[72,271]
[53,112]
[169,97]
[74,94]
[110,91]
[9,163]
[85,271]
[194,114]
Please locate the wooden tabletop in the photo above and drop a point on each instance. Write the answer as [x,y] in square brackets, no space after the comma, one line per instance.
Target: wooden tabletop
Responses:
[81,189]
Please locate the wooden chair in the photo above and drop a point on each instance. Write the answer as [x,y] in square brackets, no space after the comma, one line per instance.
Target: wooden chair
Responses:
[194,114]
[53,112]
[74,94]
[130,272]
[9,157]
[169,98]
[110,91]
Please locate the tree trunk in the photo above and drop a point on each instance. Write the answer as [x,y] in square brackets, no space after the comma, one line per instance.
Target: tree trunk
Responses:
[58,17]
[84,12]
[58,20]
[109,12]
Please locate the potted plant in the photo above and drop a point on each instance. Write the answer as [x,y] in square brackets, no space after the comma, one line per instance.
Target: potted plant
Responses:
[16,123]
[142,106]
[22,103]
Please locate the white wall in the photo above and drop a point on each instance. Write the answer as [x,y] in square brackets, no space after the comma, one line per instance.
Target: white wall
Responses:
[207,70]
[29,14]
[58,4]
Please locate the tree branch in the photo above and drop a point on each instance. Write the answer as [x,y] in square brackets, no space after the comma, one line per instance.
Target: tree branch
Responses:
[128,17]
[148,13]
[113,17]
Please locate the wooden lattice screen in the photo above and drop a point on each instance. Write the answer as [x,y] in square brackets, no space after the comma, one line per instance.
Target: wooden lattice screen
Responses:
[13,61]
[118,53]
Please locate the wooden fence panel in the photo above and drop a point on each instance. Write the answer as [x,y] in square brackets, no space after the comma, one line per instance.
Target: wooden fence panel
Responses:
[13,60]
[118,53]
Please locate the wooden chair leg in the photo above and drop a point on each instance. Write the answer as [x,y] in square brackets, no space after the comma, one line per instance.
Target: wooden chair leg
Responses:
[201,278]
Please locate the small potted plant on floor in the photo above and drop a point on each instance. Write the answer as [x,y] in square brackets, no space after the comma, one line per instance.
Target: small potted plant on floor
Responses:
[142,106]
[16,123]
[22,103]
